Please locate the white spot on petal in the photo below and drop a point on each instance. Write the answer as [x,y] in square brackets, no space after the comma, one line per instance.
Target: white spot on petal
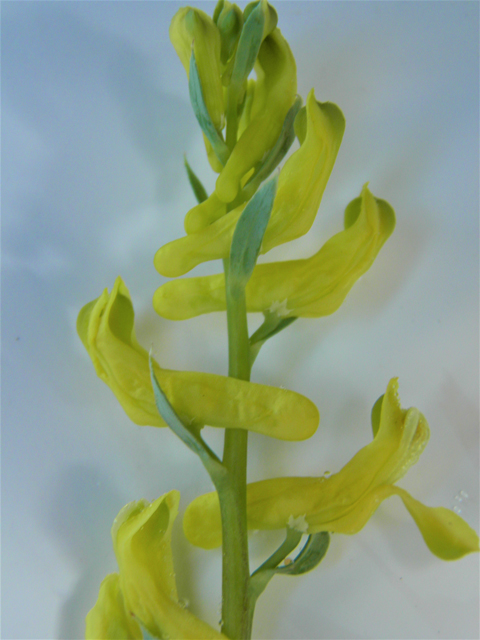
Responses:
[299,523]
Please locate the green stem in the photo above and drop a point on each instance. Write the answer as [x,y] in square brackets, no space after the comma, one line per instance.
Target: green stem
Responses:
[236,572]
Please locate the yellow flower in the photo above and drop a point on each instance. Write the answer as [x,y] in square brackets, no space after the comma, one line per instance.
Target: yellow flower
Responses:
[144,592]
[106,328]
[192,27]
[312,287]
[274,94]
[301,184]
[344,502]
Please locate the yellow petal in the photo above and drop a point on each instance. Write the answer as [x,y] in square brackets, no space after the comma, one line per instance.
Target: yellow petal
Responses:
[344,501]
[108,619]
[142,542]
[301,184]
[194,27]
[106,327]
[215,163]
[204,214]
[304,177]
[446,534]
[313,287]
[276,68]
[211,243]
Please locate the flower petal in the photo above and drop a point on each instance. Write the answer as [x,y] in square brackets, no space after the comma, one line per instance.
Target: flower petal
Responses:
[308,288]
[446,534]
[344,501]
[108,618]
[194,27]
[106,327]
[142,542]
[276,70]
[301,184]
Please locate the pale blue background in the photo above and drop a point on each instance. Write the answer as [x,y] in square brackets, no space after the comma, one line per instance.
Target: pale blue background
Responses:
[95,119]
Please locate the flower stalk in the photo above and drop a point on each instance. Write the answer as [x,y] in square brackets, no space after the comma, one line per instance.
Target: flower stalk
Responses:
[233,503]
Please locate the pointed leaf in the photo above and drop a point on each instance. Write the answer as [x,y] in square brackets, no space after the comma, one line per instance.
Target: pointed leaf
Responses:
[248,45]
[193,441]
[202,115]
[309,557]
[277,152]
[197,187]
[248,235]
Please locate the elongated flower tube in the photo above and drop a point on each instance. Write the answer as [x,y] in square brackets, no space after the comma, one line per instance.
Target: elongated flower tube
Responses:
[106,328]
[344,502]
[144,592]
[301,184]
[192,27]
[312,287]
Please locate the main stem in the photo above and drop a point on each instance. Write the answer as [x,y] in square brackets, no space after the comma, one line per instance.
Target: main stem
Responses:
[233,503]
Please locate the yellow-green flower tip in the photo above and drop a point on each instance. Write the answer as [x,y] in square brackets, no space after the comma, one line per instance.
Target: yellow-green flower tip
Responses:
[192,27]
[144,593]
[300,189]
[303,179]
[204,214]
[308,288]
[344,501]
[108,619]
[106,328]
[275,92]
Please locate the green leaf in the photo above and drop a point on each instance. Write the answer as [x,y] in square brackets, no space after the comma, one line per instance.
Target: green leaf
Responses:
[248,235]
[193,441]
[229,23]
[197,186]
[248,46]
[202,115]
[309,557]
[278,151]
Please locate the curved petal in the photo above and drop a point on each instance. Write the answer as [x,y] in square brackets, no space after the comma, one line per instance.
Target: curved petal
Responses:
[446,534]
[194,27]
[307,288]
[106,328]
[108,618]
[344,501]
[304,177]
[204,214]
[142,542]
[279,78]
[301,184]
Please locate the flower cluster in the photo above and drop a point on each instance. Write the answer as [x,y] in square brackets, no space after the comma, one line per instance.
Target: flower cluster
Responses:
[248,126]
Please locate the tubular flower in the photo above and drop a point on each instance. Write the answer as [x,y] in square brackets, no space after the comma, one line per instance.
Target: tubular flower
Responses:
[301,184]
[106,328]
[312,287]
[275,92]
[344,502]
[192,27]
[144,592]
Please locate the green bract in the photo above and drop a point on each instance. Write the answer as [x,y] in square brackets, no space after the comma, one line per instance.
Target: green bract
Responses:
[192,28]
[106,328]
[312,287]
[301,184]
[343,502]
